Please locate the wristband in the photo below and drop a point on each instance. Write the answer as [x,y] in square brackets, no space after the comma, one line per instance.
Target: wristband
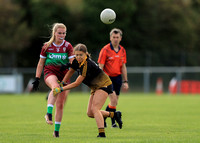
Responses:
[61,89]
[37,78]
[64,83]
[125,81]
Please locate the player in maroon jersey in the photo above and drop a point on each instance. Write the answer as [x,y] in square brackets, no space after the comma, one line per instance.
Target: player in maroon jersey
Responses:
[112,59]
[55,53]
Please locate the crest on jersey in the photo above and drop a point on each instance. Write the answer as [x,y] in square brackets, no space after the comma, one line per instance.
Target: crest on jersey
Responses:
[66,44]
[64,49]
[57,49]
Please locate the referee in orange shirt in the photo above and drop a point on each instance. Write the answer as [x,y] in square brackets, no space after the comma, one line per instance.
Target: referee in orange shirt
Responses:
[112,59]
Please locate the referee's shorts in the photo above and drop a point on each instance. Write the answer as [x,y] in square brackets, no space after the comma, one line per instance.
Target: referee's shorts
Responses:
[116,83]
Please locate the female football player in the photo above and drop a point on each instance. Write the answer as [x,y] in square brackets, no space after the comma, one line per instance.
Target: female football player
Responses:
[99,82]
[55,53]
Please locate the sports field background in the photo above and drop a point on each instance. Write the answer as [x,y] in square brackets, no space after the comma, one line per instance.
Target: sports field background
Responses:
[147,119]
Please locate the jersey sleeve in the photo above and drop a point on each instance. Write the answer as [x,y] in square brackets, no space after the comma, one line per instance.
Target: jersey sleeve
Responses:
[71,51]
[74,64]
[43,52]
[102,56]
[124,56]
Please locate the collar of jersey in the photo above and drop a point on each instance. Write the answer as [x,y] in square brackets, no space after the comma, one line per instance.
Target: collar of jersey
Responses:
[111,46]
[81,63]
[59,45]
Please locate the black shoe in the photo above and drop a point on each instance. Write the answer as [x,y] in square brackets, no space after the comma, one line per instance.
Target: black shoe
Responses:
[117,117]
[56,134]
[114,126]
[101,136]
[48,118]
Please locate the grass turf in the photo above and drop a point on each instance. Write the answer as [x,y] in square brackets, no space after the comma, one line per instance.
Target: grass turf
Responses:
[147,119]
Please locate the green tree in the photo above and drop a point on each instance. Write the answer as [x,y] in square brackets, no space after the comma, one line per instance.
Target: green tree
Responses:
[163,31]
[14,35]
[40,15]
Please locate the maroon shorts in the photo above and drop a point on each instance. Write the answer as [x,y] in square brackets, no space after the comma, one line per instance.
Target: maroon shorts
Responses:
[60,75]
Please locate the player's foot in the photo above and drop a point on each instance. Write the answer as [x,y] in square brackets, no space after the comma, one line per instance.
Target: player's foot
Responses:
[117,117]
[56,134]
[48,118]
[101,136]
[114,126]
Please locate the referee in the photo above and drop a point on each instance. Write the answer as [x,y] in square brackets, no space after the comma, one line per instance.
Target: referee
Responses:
[112,59]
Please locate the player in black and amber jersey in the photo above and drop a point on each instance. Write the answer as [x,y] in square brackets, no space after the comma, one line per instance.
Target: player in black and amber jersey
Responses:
[99,82]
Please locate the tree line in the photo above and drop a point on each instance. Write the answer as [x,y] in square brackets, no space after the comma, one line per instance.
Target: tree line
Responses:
[155,33]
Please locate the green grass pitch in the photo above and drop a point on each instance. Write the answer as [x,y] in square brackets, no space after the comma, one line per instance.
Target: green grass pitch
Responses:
[147,119]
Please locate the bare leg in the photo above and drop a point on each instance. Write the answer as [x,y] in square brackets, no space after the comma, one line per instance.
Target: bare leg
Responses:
[60,102]
[98,101]
[51,81]
[113,99]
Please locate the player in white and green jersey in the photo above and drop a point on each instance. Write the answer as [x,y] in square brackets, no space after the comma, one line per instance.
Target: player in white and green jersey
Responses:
[54,54]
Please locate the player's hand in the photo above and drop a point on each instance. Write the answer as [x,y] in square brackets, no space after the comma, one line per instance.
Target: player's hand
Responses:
[61,83]
[125,86]
[57,90]
[64,67]
[36,83]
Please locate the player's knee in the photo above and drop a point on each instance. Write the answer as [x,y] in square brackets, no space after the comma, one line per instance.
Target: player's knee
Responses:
[94,109]
[114,102]
[59,106]
[90,114]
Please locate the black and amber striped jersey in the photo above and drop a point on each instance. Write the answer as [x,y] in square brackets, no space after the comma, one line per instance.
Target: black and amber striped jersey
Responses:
[95,78]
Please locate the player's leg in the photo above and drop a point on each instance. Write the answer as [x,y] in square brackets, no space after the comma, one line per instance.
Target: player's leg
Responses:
[48,95]
[112,107]
[98,101]
[60,102]
[51,81]
[117,83]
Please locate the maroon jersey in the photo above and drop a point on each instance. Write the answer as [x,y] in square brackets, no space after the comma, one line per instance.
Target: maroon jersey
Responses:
[56,55]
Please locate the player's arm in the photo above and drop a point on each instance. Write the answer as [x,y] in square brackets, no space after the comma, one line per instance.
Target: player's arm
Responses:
[68,75]
[101,66]
[124,76]
[74,84]
[40,67]
[102,58]
[78,81]
[39,70]
[71,60]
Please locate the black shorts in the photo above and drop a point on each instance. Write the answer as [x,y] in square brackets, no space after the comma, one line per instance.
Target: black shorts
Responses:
[107,89]
[117,84]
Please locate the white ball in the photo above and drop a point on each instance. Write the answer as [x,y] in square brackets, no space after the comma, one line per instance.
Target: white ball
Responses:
[108,16]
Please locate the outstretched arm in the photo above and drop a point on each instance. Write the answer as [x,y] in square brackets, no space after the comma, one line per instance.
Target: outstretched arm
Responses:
[68,75]
[78,81]
[74,84]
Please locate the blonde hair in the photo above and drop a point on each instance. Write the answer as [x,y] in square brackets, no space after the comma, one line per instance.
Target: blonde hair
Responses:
[55,26]
[81,47]
[116,31]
